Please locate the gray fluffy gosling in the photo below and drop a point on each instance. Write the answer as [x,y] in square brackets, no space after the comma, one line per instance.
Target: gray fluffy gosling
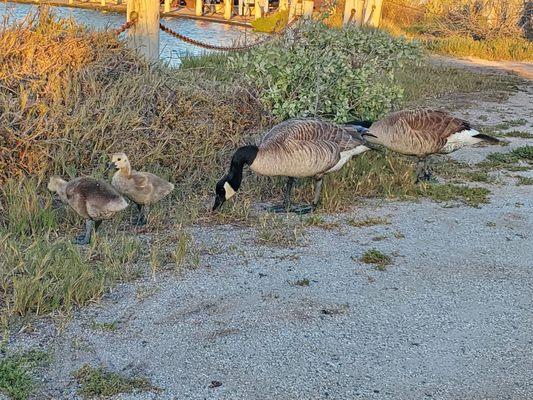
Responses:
[92,199]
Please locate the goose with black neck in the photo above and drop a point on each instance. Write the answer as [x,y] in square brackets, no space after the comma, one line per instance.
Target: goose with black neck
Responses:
[296,148]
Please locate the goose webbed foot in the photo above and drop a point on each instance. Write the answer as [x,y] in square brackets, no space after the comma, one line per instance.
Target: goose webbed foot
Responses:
[85,239]
[299,209]
[81,240]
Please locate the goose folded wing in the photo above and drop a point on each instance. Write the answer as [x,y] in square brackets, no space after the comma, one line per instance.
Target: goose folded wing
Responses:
[433,122]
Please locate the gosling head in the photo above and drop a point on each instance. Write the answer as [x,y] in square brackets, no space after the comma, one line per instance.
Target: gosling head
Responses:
[56,184]
[224,191]
[119,161]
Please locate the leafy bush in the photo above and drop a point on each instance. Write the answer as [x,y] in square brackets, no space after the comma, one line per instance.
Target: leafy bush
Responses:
[314,70]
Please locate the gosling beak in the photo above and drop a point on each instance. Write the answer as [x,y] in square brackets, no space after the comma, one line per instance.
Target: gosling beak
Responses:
[218,202]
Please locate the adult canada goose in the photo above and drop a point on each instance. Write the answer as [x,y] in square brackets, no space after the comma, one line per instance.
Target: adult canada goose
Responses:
[143,188]
[92,199]
[296,148]
[421,133]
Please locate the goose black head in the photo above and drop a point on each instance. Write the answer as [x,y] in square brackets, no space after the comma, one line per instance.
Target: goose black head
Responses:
[224,191]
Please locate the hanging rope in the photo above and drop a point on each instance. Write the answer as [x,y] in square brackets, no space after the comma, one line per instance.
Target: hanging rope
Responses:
[125,26]
[208,46]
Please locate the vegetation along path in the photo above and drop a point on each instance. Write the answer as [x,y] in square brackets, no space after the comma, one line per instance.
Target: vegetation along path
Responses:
[391,300]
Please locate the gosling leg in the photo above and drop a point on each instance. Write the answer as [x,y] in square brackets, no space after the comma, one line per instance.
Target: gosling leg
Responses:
[86,238]
[140,220]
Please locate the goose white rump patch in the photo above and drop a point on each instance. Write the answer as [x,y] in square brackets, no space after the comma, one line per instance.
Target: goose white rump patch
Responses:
[346,155]
[461,139]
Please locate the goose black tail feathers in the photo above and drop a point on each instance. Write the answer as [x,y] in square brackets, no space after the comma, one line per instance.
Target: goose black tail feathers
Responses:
[365,123]
[487,138]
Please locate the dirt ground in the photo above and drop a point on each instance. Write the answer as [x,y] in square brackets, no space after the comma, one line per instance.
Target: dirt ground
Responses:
[450,318]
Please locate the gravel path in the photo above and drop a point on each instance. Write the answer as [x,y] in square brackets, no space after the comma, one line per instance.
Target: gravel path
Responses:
[450,318]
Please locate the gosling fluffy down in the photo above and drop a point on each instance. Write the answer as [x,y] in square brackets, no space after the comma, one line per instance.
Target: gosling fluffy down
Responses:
[143,188]
[92,199]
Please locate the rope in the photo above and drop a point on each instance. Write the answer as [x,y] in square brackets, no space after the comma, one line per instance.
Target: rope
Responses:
[124,27]
[204,45]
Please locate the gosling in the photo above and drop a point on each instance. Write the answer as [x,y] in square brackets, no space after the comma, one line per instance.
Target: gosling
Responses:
[296,148]
[142,188]
[421,133]
[92,199]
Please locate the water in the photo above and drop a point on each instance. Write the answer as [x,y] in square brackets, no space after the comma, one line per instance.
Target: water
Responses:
[171,48]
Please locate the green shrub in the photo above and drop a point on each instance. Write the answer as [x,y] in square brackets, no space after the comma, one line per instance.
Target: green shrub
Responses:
[340,74]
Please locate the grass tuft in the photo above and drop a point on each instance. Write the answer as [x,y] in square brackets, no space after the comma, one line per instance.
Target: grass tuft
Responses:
[448,192]
[99,383]
[376,257]
[16,373]
[368,222]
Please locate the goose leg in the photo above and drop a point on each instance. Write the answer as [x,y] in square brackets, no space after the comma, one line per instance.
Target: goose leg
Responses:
[86,238]
[423,172]
[285,207]
[318,191]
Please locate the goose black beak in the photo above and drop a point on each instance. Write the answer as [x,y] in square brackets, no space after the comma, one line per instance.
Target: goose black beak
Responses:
[218,202]
[368,134]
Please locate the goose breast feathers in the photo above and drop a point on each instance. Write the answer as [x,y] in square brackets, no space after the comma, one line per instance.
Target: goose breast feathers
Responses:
[416,132]
[302,148]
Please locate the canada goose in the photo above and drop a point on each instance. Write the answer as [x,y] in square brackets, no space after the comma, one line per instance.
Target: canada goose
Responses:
[421,133]
[92,199]
[296,148]
[143,188]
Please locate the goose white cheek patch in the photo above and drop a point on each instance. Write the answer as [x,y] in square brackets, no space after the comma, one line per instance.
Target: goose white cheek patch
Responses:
[229,190]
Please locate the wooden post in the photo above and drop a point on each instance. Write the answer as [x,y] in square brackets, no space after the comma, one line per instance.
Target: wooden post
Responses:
[144,34]
[199,8]
[308,8]
[265,7]
[102,3]
[257,9]
[283,5]
[70,1]
[166,7]
[355,6]
[373,13]
[228,9]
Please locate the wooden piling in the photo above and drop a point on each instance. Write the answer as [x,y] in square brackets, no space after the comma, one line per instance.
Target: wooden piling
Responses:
[144,34]
[166,7]
[356,7]
[308,7]
[228,9]
[372,15]
[199,7]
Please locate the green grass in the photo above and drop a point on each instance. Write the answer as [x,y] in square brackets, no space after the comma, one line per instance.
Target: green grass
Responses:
[104,326]
[99,383]
[523,181]
[519,134]
[422,84]
[16,378]
[376,257]
[448,192]
[41,270]
[509,160]
[368,222]
[517,49]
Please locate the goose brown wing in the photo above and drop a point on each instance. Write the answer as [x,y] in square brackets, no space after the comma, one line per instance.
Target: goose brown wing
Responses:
[417,131]
[303,147]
